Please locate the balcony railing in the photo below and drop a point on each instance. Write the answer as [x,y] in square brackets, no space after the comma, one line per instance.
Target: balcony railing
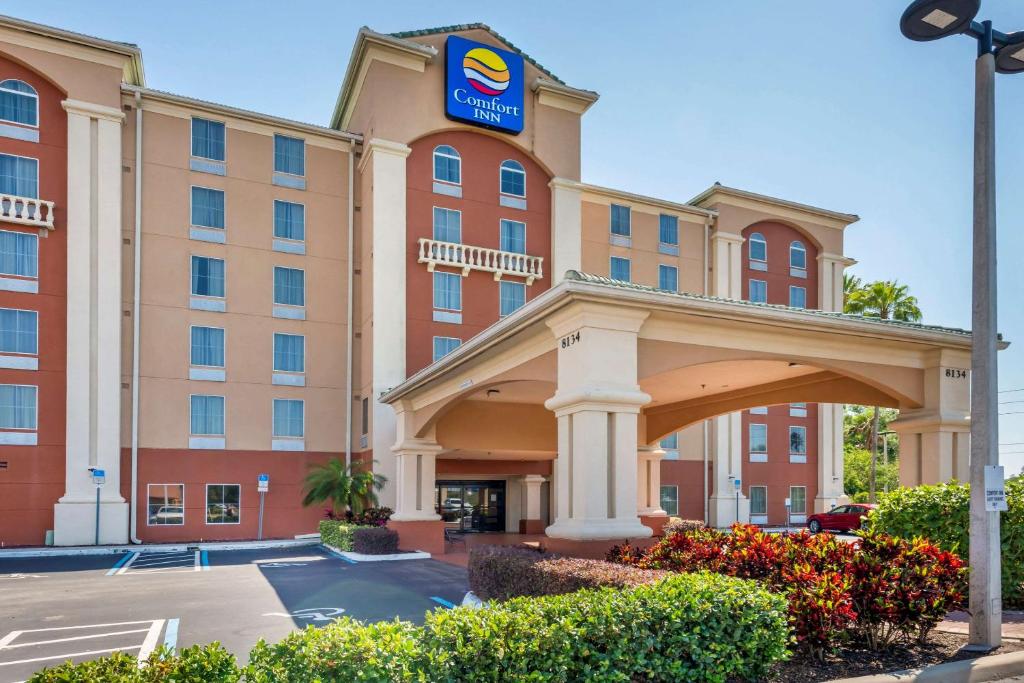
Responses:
[466,257]
[26,211]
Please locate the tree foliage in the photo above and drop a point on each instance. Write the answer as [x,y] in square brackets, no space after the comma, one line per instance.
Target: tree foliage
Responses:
[346,487]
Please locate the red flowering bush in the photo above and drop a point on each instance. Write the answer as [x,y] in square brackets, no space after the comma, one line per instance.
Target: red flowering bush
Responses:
[880,589]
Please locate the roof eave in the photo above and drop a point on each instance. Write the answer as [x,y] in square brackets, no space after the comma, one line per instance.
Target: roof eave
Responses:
[846,218]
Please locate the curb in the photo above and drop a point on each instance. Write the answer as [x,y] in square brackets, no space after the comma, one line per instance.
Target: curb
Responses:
[155,548]
[990,668]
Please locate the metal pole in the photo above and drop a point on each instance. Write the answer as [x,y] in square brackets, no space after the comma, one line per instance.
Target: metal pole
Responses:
[97,514]
[985,582]
[259,531]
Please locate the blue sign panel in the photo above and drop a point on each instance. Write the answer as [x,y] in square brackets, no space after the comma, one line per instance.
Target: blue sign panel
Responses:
[483,85]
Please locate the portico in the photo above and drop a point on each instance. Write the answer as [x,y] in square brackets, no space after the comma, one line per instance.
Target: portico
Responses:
[593,373]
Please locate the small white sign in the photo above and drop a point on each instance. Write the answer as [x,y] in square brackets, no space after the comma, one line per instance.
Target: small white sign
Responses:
[263,483]
[789,502]
[995,491]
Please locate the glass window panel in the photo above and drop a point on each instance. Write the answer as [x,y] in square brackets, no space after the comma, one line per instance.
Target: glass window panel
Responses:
[513,179]
[19,176]
[513,236]
[447,165]
[208,346]
[798,500]
[289,220]
[19,103]
[207,276]
[289,155]
[289,352]
[797,255]
[759,291]
[513,297]
[620,220]
[670,442]
[223,503]
[797,297]
[759,500]
[288,417]
[447,225]
[798,440]
[19,254]
[668,278]
[670,499]
[208,207]
[668,229]
[620,269]
[289,286]
[445,345]
[207,415]
[208,139]
[18,331]
[758,438]
[166,504]
[447,291]
[758,247]
[17,406]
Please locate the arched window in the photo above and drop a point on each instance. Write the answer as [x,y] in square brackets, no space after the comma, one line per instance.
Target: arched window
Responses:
[19,102]
[798,255]
[513,178]
[447,165]
[758,247]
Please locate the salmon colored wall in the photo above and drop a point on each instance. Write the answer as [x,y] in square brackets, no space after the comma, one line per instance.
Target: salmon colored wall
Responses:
[778,474]
[284,516]
[779,236]
[481,213]
[493,467]
[686,475]
[34,477]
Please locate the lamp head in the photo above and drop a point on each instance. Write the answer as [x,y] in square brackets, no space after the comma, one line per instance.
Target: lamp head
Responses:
[1010,57]
[933,19]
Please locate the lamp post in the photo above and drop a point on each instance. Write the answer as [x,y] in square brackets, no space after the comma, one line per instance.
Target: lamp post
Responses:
[926,20]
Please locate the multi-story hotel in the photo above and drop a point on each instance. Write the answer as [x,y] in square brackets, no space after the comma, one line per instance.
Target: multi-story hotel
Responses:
[194,296]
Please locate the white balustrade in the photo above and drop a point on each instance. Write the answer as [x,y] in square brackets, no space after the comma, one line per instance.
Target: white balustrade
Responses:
[467,257]
[26,211]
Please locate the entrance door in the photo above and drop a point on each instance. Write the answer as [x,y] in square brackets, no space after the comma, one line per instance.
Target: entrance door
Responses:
[472,505]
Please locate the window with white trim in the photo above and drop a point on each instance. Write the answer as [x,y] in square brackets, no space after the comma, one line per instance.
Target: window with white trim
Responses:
[19,176]
[757,247]
[447,165]
[289,220]
[798,409]
[445,345]
[797,440]
[289,352]
[289,418]
[19,331]
[207,276]
[668,277]
[798,500]
[620,220]
[206,415]
[670,499]
[797,297]
[758,438]
[18,406]
[670,444]
[798,255]
[207,347]
[668,229]
[619,269]
[759,291]
[165,504]
[207,207]
[512,236]
[223,503]
[19,102]
[512,297]
[447,225]
[207,139]
[758,500]
[447,291]
[513,178]
[289,155]
[289,286]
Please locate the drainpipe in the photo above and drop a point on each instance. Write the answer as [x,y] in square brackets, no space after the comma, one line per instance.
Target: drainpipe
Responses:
[133,513]
[704,425]
[351,304]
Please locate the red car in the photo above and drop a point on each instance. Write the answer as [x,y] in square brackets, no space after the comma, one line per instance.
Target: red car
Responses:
[840,518]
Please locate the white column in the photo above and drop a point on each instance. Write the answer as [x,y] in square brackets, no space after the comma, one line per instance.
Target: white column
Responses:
[830,458]
[830,280]
[649,481]
[727,457]
[597,404]
[93,408]
[415,467]
[566,228]
[727,265]
[383,167]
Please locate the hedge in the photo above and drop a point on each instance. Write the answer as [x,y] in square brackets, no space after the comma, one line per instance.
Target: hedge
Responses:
[337,534]
[197,664]
[689,627]
[676,525]
[374,540]
[941,513]
[503,572]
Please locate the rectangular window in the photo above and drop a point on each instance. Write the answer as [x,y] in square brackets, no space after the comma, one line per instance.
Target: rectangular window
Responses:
[671,442]
[289,220]
[17,406]
[759,291]
[207,207]
[366,417]
[19,331]
[447,291]
[166,504]
[207,415]
[798,440]
[797,297]
[513,236]
[289,420]
[207,139]
[444,345]
[758,438]
[758,500]
[798,409]
[620,220]
[289,352]
[289,286]
[668,278]
[670,499]
[668,229]
[620,269]
[223,503]
[19,176]
[207,347]
[798,500]
[19,254]
[19,103]
[289,155]
[447,225]
[207,276]
[760,410]
[513,297]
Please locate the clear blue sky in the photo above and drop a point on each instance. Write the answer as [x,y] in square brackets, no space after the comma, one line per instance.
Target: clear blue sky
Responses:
[819,102]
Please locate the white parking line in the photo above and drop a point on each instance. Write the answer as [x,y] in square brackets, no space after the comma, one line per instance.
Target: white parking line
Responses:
[150,627]
[149,644]
[65,640]
[69,656]
[78,628]
[127,564]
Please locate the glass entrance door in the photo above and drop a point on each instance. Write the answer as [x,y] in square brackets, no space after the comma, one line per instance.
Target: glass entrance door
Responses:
[472,505]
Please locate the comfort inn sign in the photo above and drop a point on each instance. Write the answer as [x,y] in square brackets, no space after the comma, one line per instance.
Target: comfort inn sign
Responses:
[483,85]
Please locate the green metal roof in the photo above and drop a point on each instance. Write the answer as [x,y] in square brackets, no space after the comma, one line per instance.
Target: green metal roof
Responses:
[455,28]
[600,280]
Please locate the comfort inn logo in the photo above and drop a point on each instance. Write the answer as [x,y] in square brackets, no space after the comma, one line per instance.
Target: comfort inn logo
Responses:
[483,85]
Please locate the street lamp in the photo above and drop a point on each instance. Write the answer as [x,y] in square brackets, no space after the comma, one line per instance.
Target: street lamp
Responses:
[926,20]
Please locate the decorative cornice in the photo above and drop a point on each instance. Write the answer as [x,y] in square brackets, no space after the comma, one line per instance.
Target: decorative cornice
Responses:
[93,111]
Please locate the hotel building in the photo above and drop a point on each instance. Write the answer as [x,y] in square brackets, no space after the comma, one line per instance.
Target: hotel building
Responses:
[195,296]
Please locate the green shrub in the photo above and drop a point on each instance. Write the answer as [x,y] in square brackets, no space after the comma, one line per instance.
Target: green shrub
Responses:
[676,525]
[692,627]
[941,514]
[374,540]
[503,572]
[336,534]
[346,650]
[197,664]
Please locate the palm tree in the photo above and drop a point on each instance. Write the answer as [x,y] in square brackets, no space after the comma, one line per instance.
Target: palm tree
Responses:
[346,487]
[888,300]
[851,285]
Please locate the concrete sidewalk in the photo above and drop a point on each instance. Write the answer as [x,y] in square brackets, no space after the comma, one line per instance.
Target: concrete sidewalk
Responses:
[959,622]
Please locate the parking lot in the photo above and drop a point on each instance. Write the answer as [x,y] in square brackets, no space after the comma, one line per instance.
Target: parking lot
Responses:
[80,608]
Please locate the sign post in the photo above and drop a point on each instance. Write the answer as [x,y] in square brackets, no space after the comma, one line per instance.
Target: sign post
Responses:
[99,477]
[789,514]
[736,483]
[262,485]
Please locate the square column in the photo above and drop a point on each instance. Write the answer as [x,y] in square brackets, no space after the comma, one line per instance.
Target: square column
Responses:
[649,481]
[566,228]
[418,525]
[532,521]
[597,405]
[93,423]
[727,264]
[726,505]
[830,458]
